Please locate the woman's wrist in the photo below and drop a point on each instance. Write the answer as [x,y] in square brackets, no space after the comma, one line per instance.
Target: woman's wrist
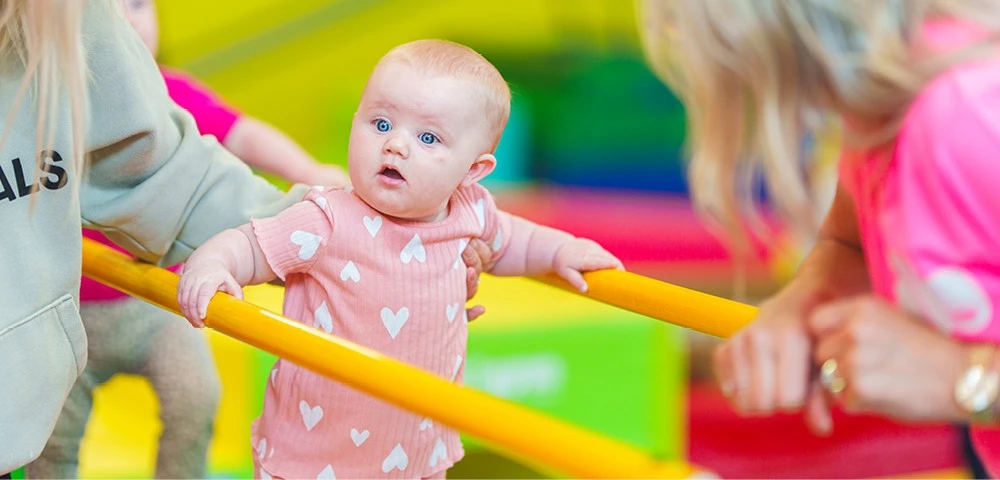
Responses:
[976,383]
[831,271]
[836,269]
[811,287]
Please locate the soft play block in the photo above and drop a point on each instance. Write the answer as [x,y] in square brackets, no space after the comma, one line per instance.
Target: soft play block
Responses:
[602,368]
[635,226]
[781,446]
[654,234]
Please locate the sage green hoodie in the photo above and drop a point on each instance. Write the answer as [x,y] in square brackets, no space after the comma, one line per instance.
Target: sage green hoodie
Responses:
[153,185]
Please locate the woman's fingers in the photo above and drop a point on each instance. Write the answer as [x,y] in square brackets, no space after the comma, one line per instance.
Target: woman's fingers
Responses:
[792,370]
[722,360]
[761,372]
[818,416]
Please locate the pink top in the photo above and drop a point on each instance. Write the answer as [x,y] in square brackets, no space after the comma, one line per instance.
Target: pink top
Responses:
[394,286]
[929,212]
[212,116]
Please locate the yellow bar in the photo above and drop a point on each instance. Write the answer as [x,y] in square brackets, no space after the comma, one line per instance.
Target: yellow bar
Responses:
[660,300]
[572,450]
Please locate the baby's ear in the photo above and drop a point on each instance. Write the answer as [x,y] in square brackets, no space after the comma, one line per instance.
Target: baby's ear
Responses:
[482,167]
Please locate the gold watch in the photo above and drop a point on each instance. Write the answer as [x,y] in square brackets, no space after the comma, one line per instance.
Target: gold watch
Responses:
[978,387]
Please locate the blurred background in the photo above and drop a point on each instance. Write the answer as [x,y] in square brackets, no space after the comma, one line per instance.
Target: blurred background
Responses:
[594,147]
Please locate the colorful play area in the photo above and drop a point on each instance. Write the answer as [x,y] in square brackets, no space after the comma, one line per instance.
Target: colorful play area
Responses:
[594,147]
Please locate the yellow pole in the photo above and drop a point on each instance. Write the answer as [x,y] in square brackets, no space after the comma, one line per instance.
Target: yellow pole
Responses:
[660,300]
[567,448]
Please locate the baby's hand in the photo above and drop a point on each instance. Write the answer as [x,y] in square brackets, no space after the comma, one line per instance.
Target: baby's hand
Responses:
[476,255]
[581,255]
[197,287]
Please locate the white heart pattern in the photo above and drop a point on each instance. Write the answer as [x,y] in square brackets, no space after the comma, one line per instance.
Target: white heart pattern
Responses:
[462,243]
[350,272]
[498,241]
[308,243]
[397,459]
[451,311]
[310,416]
[427,423]
[413,249]
[327,474]
[323,318]
[261,448]
[480,209]
[274,372]
[321,201]
[962,297]
[264,475]
[359,437]
[458,363]
[394,321]
[439,453]
[373,225]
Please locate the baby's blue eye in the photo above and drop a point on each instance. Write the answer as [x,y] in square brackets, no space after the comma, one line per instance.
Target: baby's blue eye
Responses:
[383,125]
[428,138]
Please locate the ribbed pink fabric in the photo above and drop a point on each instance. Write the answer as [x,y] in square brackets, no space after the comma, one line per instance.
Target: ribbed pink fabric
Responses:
[395,286]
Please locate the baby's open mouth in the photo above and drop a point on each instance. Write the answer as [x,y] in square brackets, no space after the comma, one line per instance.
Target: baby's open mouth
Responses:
[391,173]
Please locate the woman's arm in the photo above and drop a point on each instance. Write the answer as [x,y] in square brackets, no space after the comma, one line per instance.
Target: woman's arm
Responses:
[266,148]
[767,366]
[835,267]
[154,185]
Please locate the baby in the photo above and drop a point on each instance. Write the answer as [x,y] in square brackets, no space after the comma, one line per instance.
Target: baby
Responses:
[380,264]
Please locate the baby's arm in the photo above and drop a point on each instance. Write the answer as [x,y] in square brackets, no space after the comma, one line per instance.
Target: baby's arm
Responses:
[220,265]
[535,249]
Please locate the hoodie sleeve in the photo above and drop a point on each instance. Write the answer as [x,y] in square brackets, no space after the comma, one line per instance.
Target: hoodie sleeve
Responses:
[153,184]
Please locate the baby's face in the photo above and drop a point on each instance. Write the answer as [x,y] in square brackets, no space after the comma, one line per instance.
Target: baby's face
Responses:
[142,15]
[414,139]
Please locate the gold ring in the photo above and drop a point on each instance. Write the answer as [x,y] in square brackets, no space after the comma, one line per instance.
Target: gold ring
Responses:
[830,377]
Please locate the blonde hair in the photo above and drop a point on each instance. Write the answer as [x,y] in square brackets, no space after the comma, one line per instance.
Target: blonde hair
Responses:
[40,41]
[449,58]
[755,76]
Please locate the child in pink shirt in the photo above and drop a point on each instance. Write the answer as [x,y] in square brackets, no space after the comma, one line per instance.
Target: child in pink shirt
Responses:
[128,335]
[895,310]
[379,265]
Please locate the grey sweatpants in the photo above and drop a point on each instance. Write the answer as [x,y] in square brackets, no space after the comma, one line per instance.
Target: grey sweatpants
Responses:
[132,336]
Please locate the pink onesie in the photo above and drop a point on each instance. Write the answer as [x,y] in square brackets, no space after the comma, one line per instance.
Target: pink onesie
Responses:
[212,116]
[394,286]
[929,210]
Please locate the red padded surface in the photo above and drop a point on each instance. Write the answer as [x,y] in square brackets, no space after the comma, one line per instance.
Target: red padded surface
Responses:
[636,226]
[782,447]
